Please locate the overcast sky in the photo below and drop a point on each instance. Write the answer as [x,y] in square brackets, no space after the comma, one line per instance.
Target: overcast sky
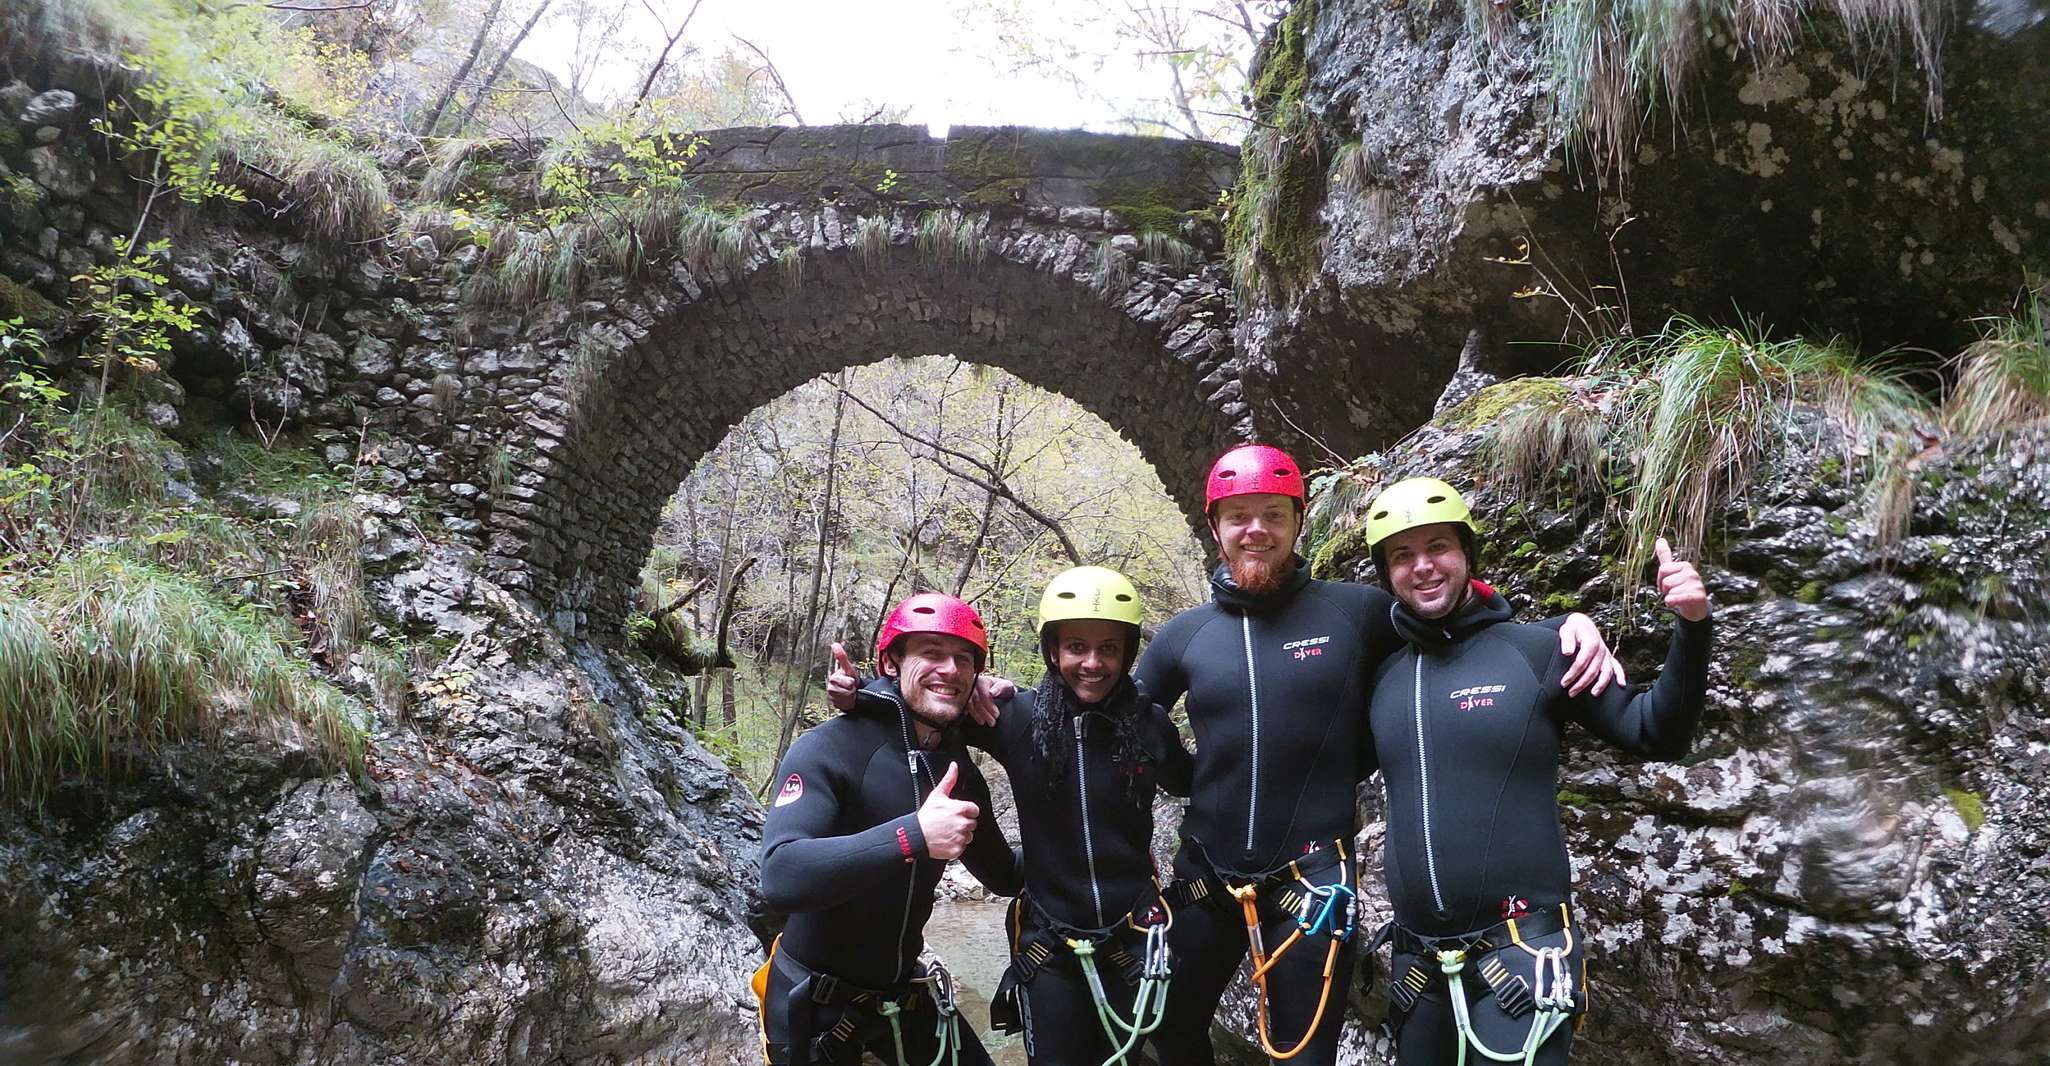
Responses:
[841,58]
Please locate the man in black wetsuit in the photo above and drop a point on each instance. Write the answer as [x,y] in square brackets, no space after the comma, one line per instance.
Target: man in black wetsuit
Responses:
[1085,751]
[871,808]
[1277,670]
[1467,726]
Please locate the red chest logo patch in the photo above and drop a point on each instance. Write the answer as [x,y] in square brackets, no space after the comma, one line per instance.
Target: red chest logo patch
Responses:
[792,790]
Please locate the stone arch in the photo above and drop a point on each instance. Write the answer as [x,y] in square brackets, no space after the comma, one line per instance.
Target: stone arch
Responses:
[1149,353]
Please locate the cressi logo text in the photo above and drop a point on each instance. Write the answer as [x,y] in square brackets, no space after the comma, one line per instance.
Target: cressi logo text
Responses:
[1466,699]
[1306,648]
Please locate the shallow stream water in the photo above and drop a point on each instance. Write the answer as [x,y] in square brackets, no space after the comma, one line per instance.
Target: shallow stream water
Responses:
[969,936]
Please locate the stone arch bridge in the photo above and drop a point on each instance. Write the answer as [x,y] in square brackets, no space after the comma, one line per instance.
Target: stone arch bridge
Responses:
[1085,264]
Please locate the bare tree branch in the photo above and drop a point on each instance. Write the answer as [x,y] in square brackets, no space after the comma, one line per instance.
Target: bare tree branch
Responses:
[317,10]
[682,601]
[775,76]
[448,92]
[648,83]
[990,480]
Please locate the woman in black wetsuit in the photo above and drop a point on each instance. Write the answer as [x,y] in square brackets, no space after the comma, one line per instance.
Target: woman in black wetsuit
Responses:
[1085,750]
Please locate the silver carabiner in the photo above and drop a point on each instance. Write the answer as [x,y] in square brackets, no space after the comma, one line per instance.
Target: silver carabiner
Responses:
[1157,958]
[939,981]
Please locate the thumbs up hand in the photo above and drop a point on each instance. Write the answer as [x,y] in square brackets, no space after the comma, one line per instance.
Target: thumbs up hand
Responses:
[947,823]
[1681,584]
[841,683]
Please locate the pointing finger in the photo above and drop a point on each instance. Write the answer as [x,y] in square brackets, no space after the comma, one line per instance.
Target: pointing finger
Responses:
[1665,552]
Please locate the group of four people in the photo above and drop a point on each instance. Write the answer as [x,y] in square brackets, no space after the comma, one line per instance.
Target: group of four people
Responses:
[1297,690]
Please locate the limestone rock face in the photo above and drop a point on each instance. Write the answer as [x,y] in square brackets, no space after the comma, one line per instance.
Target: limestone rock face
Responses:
[1845,869]
[1816,191]
[536,865]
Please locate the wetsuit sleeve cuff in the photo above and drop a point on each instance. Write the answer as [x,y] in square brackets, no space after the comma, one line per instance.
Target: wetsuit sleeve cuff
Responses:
[1691,640]
[910,838]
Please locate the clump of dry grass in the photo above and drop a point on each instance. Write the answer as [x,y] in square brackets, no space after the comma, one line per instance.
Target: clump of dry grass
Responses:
[1612,61]
[110,660]
[2003,379]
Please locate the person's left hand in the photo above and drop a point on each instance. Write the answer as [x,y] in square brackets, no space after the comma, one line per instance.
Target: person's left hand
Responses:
[1594,666]
[982,703]
[1682,585]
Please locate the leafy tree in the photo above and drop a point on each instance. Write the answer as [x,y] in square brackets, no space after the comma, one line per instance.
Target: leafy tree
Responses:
[1193,54]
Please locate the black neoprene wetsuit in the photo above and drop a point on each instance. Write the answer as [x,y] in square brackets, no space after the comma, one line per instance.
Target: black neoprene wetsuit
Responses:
[1467,724]
[1087,837]
[843,856]
[1277,689]
[1087,846]
[1088,853]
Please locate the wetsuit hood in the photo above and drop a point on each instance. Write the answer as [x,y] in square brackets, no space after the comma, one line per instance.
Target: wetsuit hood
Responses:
[1483,607]
[1226,592]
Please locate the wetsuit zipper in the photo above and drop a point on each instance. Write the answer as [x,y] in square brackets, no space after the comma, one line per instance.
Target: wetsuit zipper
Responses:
[912,757]
[1253,694]
[1424,778]
[1088,839]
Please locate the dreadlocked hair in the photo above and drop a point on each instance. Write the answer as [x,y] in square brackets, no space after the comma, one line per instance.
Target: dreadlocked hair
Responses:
[1053,737]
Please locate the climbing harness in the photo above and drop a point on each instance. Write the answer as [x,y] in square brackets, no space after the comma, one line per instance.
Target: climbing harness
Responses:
[818,989]
[1149,1004]
[939,983]
[1548,995]
[1151,970]
[1331,909]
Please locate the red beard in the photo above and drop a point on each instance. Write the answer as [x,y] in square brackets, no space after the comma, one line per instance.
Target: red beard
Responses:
[1258,577]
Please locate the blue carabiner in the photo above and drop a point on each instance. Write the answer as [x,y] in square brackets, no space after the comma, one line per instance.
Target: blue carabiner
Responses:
[1322,924]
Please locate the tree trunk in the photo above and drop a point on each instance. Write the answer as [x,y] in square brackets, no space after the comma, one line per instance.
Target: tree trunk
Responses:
[989,502]
[726,705]
[732,513]
[498,68]
[803,648]
[448,92]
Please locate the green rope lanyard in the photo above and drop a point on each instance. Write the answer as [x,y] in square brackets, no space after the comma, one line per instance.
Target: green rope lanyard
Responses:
[1151,997]
[948,1030]
[1554,1006]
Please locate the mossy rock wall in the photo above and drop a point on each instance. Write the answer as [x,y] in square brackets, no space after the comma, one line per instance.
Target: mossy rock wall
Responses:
[1845,869]
[1455,222]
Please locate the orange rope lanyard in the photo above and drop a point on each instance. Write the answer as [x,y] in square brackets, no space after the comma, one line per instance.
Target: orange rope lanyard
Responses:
[1248,897]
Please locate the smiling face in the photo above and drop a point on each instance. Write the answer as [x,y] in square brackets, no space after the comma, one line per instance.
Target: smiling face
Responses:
[935,672]
[1090,655]
[1427,568]
[1255,534]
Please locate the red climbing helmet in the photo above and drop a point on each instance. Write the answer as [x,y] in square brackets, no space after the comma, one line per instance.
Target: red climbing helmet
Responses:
[1251,468]
[935,612]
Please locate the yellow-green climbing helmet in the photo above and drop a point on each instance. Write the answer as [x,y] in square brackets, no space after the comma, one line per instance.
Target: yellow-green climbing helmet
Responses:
[1417,501]
[1088,592]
